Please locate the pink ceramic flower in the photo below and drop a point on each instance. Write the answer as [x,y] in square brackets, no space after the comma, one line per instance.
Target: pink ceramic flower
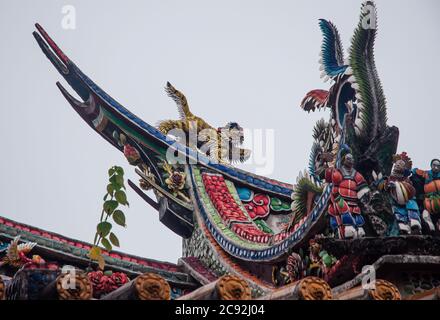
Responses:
[259,206]
[131,154]
[119,279]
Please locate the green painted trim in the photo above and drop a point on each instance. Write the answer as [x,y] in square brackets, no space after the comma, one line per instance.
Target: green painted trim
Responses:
[129,131]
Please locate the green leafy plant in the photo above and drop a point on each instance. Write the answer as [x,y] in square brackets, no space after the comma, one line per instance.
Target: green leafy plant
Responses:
[111,211]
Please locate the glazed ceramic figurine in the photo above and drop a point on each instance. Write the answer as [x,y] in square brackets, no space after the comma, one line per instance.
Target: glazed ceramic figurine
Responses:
[17,255]
[431,202]
[402,192]
[349,186]
[320,261]
[224,142]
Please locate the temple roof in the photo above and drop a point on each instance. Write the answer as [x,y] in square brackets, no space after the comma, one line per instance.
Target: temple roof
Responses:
[54,245]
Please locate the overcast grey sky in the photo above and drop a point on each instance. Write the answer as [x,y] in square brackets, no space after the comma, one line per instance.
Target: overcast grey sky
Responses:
[247,61]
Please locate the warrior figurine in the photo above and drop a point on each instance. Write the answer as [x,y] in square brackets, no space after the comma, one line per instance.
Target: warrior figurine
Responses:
[402,192]
[431,190]
[349,187]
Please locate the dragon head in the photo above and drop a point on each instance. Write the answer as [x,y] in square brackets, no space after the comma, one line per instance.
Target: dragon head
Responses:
[233,132]
[232,137]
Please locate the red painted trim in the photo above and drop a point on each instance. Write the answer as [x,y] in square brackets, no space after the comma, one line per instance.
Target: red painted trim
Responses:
[52,44]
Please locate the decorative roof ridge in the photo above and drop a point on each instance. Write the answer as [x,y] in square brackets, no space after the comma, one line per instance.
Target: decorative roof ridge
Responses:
[117,255]
[197,270]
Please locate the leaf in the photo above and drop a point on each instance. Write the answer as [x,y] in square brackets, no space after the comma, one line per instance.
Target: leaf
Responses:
[119,171]
[286,206]
[111,171]
[341,203]
[106,244]
[110,206]
[105,197]
[114,182]
[104,228]
[110,189]
[275,202]
[119,217]
[114,239]
[101,262]
[95,253]
[121,197]
[108,273]
[262,225]
[120,181]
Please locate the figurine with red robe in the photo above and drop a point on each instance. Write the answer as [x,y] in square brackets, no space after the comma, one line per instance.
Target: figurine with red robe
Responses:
[349,186]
